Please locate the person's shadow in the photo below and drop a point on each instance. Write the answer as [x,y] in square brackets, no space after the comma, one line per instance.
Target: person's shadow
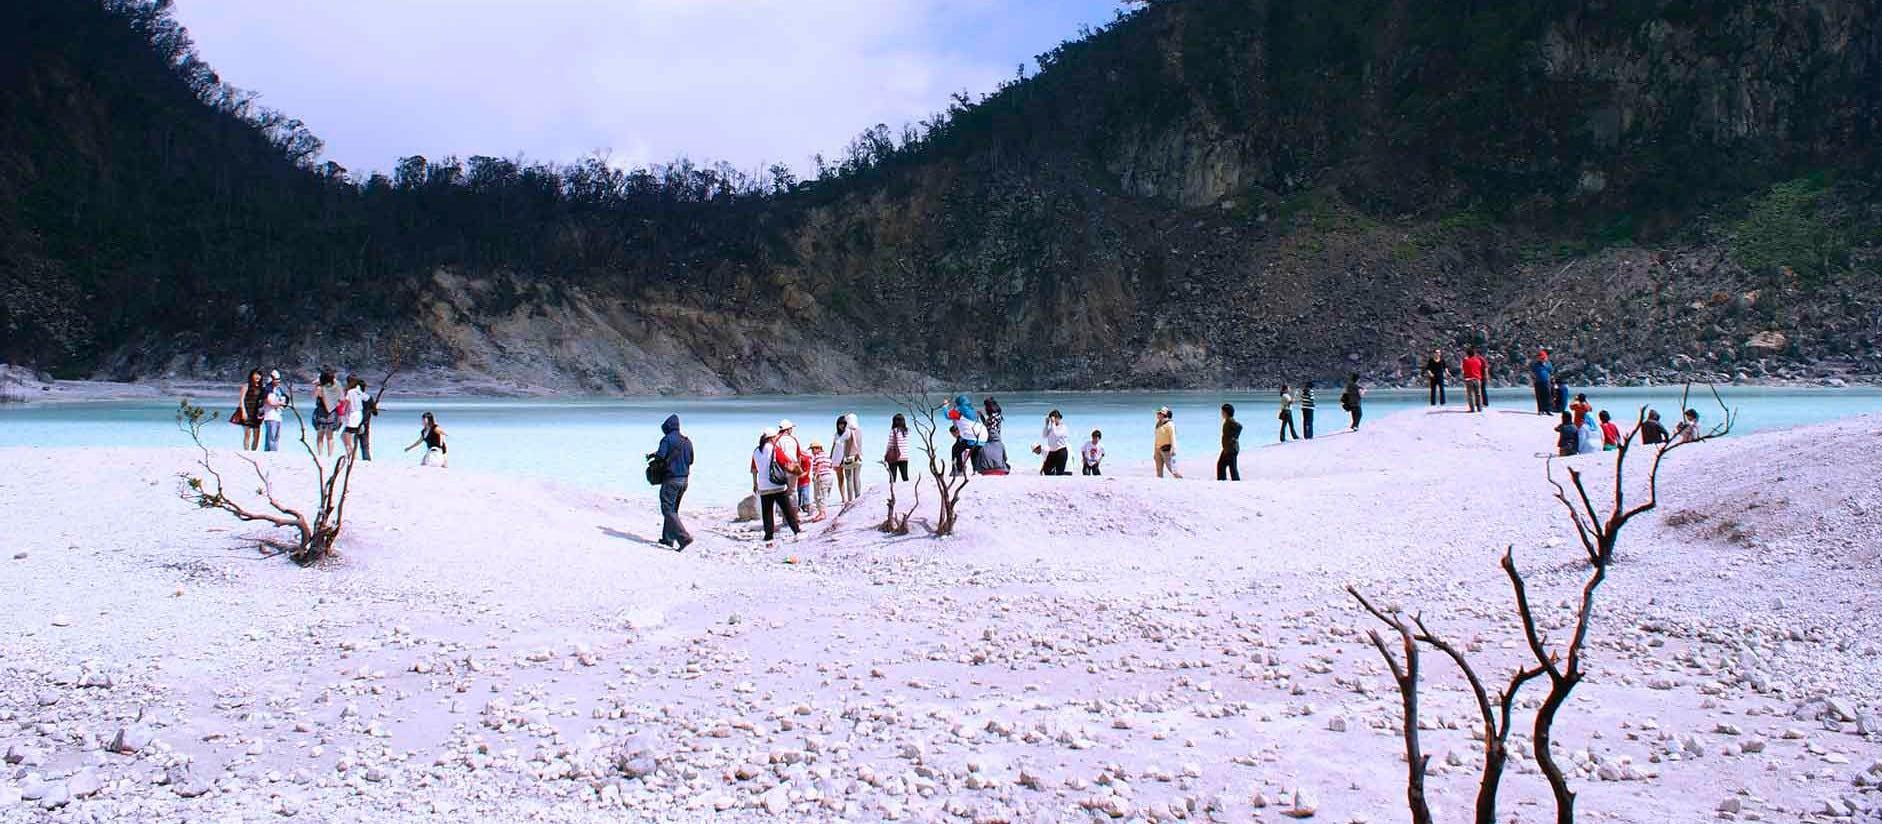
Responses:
[628,536]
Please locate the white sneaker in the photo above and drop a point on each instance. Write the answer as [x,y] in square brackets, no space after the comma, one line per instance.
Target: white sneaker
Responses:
[796,536]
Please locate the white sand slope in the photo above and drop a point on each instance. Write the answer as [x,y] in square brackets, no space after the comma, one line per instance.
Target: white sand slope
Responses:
[493,649]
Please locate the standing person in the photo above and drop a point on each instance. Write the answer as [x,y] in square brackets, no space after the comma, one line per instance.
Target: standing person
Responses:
[1610,433]
[248,411]
[326,395]
[1651,430]
[1092,453]
[771,480]
[1435,370]
[1057,445]
[368,410]
[675,452]
[1474,367]
[1351,398]
[896,457]
[1306,410]
[1561,394]
[852,465]
[837,455]
[1228,466]
[823,474]
[272,402]
[1581,407]
[1166,443]
[1567,436]
[793,454]
[1287,414]
[353,412]
[992,418]
[437,452]
[1542,372]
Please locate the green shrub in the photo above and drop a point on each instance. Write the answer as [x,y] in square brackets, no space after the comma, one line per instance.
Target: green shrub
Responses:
[1786,227]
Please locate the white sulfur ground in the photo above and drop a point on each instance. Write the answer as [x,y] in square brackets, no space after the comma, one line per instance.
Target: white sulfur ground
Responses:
[1124,648]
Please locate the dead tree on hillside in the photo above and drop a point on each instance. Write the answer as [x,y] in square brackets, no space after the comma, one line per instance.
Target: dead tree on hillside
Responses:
[924,413]
[316,530]
[1563,667]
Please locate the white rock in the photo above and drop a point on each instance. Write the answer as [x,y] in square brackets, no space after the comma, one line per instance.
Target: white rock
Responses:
[131,739]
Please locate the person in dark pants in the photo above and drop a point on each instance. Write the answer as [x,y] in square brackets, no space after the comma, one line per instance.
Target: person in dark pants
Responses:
[1435,370]
[1542,373]
[676,450]
[1227,466]
[1350,399]
[1287,415]
[1561,395]
[773,476]
[1306,411]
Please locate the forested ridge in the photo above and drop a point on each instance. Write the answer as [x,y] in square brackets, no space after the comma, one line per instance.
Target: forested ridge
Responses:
[1204,193]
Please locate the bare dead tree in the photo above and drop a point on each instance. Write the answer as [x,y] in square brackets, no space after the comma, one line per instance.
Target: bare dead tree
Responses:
[924,413]
[897,521]
[317,533]
[1599,536]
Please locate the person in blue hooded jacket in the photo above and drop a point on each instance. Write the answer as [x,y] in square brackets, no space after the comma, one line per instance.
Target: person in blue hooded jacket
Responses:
[973,433]
[677,451]
[1543,372]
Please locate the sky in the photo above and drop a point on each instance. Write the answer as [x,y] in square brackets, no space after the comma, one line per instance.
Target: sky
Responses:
[644,81]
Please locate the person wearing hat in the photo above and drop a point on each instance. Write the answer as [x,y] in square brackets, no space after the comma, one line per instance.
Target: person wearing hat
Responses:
[798,464]
[273,400]
[822,475]
[1543,372]
[771,482]
[1166,443]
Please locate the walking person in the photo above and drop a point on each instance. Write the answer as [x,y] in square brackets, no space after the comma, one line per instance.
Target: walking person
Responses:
[1165,443]
[1435,370]
[675,452]
[273,400]
[1057,446]
[1351,398]
[1092,454]
[771,480]
[1306,410]
[1287,414]
[326,395]
[1228,465]
[248,411]
[1474,368]
[352,411]
[852,465]
[438,453]
[896,456]
[1542,373]
[796,460]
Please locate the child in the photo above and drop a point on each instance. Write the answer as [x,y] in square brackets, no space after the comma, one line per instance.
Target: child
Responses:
[1567,436]
[823,473]
[1610,433]
[1093,453]
[1688,429]
[1581,407]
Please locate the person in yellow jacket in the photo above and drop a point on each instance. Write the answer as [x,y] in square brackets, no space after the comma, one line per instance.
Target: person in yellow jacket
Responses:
[1166,443]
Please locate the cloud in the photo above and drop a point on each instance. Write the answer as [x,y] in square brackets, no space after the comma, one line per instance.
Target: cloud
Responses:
[749,81]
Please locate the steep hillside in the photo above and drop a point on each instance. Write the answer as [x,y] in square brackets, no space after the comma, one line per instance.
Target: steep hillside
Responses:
[1209,192]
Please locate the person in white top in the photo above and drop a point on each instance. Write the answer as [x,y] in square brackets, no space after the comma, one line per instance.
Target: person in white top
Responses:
[353,409]
[896,458]
[271,405]
[1057,441]
[1093,453]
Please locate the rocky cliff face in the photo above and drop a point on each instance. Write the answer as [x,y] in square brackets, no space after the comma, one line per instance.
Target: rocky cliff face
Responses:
[1228,193]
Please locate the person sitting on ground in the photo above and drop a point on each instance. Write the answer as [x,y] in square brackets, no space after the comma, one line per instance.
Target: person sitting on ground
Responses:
[1688,429]
[1092,453]
[1590,440]
[1581,407]
[431,436]
[1651,430]
[1610,433]
[1567,436]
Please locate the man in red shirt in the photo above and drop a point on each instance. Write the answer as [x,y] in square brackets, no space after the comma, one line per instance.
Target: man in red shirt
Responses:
[1474,368]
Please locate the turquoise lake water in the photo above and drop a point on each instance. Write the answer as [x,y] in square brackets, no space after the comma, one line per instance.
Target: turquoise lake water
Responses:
[598,443]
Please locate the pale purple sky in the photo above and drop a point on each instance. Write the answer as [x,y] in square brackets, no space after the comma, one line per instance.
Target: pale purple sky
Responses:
[749,81]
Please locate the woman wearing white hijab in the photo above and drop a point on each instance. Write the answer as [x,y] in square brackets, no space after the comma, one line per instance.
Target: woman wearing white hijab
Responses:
[852,468]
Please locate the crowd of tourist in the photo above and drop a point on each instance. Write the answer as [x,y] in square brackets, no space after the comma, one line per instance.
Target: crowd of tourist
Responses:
[343,411]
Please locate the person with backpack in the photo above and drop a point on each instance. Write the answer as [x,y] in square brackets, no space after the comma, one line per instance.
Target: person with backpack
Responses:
[673,460]
[896,457]
[771,481]
[1228,465]
[796,462]
[1542,372]
[1351,398]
